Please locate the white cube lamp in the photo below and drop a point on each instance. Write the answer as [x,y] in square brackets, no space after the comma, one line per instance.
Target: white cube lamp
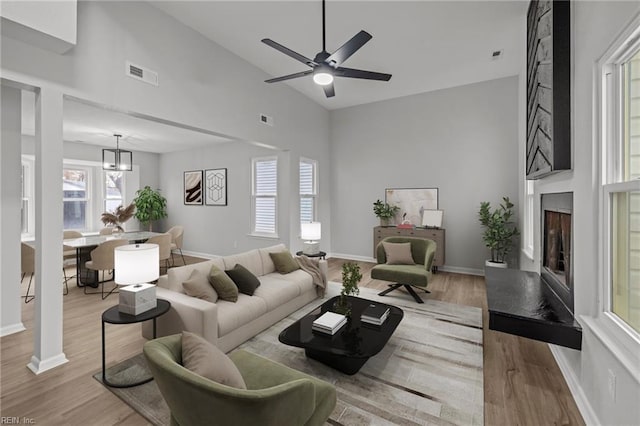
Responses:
[310,232]
[135,265]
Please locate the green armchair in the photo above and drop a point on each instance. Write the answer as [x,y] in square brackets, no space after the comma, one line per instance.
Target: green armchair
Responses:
[407,276]
[275,395]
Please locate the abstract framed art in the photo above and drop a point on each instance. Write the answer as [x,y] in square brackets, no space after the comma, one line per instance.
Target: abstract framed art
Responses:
[193,188]
[215,187]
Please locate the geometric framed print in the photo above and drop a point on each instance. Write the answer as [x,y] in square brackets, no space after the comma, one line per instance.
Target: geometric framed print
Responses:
[193,188]
[215,187]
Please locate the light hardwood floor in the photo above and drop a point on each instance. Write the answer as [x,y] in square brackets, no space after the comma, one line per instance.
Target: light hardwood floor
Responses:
[523,385]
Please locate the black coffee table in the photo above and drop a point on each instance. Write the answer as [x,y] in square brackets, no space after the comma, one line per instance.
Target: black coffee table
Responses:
[352,345]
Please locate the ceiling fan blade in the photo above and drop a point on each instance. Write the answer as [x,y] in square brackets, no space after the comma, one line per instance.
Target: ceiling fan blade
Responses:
[289,52]
[348,49]
[329,90]
[367,75]
[288,77]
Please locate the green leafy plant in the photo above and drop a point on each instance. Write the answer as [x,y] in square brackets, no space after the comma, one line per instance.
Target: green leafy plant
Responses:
[150,206]
[384,210]
[351,276]
[499,229]
[118,217]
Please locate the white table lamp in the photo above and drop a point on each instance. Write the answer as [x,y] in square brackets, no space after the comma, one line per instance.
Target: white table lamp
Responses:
[311,232]
[135,265]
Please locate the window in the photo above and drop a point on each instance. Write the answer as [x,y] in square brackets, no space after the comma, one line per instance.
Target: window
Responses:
[308,190]
[113,190]
[621,183]
[527,234]
[25,209]
[265,196]
[75,190]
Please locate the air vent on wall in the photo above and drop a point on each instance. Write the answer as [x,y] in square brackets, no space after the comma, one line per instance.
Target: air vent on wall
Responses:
[141,73]
[265,119]
[496,54]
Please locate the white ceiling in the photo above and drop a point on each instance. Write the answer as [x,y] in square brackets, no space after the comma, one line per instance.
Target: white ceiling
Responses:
[426,45]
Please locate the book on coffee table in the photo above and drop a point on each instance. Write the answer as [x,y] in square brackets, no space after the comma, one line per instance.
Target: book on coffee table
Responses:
[375,314]
[329,322]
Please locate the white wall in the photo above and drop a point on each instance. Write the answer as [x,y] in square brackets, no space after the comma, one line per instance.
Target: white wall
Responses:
[463,141]
[594,27]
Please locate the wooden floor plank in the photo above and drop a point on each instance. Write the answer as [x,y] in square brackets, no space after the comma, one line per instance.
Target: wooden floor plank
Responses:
[523,385]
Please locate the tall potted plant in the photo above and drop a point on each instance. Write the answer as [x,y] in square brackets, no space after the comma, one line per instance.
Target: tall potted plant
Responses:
[351,276]
[150,206]
[384,211]
[499,230]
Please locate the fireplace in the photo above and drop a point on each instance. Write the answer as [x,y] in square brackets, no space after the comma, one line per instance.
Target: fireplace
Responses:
[556,266]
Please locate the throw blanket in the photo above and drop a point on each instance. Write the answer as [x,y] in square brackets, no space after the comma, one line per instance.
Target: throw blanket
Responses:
[311,267]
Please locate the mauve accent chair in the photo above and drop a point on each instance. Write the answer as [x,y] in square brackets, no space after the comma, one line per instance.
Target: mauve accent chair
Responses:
[408,276]
[276,395]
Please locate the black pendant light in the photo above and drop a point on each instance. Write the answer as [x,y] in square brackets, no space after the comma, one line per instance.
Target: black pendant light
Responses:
[117,159]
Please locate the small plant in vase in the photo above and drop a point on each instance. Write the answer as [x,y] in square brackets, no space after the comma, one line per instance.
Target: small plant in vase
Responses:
[118,217]
[351,276]
[384,211]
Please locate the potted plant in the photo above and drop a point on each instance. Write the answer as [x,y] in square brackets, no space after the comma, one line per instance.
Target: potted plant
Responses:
[351,276]
[499,230]
[118,217]
[384,211]
[150,206]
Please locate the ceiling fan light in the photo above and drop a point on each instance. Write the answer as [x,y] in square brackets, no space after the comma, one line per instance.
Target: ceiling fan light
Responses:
[323,78]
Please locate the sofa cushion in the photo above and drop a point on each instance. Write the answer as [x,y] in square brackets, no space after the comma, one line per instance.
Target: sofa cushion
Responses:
[398,253]
[303,280]
[267,264]
[249,259]
[244,279]
[231,316]
[276,291]
[284,262]
[176,276]
[198,286]
[207,361]
[223,284]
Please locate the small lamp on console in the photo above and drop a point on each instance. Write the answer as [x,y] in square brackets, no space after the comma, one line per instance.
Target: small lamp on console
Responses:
[310,232]
[135,265]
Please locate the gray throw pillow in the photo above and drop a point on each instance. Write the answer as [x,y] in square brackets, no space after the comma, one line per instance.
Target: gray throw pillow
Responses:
[204,359]
[398,253]
[284,262]
[244,279]
[198,286]
[223,285]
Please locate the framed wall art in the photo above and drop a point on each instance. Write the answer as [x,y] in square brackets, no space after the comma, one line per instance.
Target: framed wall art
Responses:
[215,184]
[412,202]
[193,188]
[548,147]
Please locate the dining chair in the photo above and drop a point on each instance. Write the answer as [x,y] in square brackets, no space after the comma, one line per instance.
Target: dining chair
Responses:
[177,232]
[164,242]
[106,231]
[28,266]
[102,259]
[69,256]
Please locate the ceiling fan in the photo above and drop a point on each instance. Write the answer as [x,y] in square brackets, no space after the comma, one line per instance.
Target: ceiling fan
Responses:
[326,66]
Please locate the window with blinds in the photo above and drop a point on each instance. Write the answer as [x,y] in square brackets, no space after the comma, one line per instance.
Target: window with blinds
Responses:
[265,196]
[308,190]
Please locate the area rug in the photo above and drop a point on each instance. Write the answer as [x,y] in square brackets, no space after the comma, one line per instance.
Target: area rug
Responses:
[429,373]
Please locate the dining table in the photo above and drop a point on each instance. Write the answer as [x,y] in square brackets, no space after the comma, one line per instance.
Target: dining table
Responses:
[84,246]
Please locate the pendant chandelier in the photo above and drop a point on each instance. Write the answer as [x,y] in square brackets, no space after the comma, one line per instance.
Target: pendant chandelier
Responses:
[117,159]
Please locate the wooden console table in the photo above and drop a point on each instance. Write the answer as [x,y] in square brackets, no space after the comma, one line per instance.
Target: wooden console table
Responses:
[435,234]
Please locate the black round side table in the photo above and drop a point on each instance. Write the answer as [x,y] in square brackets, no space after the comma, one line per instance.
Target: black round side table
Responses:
[114,316]
[320,254]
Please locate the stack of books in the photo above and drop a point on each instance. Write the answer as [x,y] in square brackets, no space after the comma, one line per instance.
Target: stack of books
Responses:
[329,323]
[375,314]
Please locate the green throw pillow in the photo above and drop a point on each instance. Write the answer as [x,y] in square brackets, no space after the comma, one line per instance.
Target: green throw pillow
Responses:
[244,279]
[284,262]
[223,285]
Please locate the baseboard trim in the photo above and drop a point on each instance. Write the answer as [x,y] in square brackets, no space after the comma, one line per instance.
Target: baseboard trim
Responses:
[11,329]
[39,366]
[589,416]
[462,270]
[198,254]
[351,257]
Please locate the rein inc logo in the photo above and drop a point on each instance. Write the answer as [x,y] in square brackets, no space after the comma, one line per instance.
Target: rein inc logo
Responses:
[6,420]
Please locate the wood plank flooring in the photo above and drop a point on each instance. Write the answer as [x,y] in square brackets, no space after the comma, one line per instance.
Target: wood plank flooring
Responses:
[523,385]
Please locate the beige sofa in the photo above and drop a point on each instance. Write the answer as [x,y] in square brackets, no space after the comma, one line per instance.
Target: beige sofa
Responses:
[227,324]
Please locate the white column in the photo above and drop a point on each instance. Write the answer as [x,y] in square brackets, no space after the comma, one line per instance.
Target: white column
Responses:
[10,190]
[47,330]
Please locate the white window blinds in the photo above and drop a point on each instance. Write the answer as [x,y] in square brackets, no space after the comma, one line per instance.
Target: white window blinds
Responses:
[265,192]
[308,191]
